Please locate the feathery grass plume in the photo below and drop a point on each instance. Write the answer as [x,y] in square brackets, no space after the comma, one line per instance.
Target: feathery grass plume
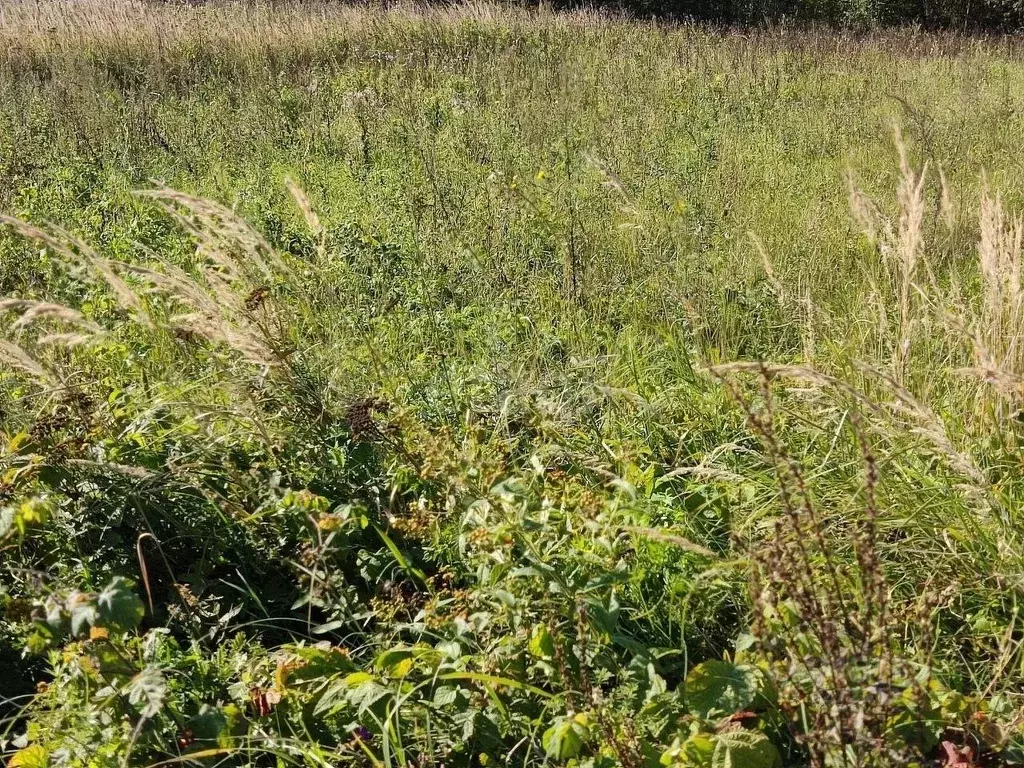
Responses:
[999,260]
[810,376]
[33,311]
[38,312]
[85,264]
[901,248]
[305,207]
[947,208]
[803,304]
[237,265]
[14,356]
[769,269]
[216,312]
[991,325]
[925,423]
[223,237]
[35,315]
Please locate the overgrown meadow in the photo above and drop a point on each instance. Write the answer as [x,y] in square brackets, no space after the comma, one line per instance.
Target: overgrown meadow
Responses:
[477,387]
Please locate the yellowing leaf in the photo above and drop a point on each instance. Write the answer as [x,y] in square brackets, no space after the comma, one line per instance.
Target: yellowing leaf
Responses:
[542,644]
[34,756]
[35,511]
[15,443]
[357,679]
[565,739]
[744,749]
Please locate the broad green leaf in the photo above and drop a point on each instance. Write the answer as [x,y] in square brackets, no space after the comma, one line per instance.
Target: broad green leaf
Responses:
[357,678]
[56,614]
[119,607]
[1013,752]
[297,664]
[566,737]
[445,696]
[366,695]
[542,644]
[718,688]
[699,749]
[209,724]
[744,749]
[695,752]
[397,662]
[402,668]
[449,649]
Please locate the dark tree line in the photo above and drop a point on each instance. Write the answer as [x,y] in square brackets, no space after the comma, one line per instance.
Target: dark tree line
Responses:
[972,15]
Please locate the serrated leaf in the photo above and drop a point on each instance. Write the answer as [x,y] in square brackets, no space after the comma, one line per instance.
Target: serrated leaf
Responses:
[445,696]
[83,612]
[366,695]
[147,691]
[56,613]
[34,756]
[717,688]
[744,749]
[119,607]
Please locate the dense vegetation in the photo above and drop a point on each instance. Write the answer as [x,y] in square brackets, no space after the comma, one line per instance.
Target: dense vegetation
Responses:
[539,389]
[979,15]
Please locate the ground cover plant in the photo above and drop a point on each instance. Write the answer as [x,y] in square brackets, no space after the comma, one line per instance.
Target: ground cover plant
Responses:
[480,387]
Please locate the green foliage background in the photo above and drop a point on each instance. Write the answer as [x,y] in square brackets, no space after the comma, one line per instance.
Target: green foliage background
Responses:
[447,474]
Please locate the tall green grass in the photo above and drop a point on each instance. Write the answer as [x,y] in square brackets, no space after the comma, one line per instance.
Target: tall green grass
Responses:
[539,388]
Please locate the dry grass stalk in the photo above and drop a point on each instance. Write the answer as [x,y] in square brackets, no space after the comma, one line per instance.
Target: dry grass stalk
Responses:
[223,237]
[39,311]
[14,356]
[236,261]
[901,248]
[305,207]
[84,263]
[829,642]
